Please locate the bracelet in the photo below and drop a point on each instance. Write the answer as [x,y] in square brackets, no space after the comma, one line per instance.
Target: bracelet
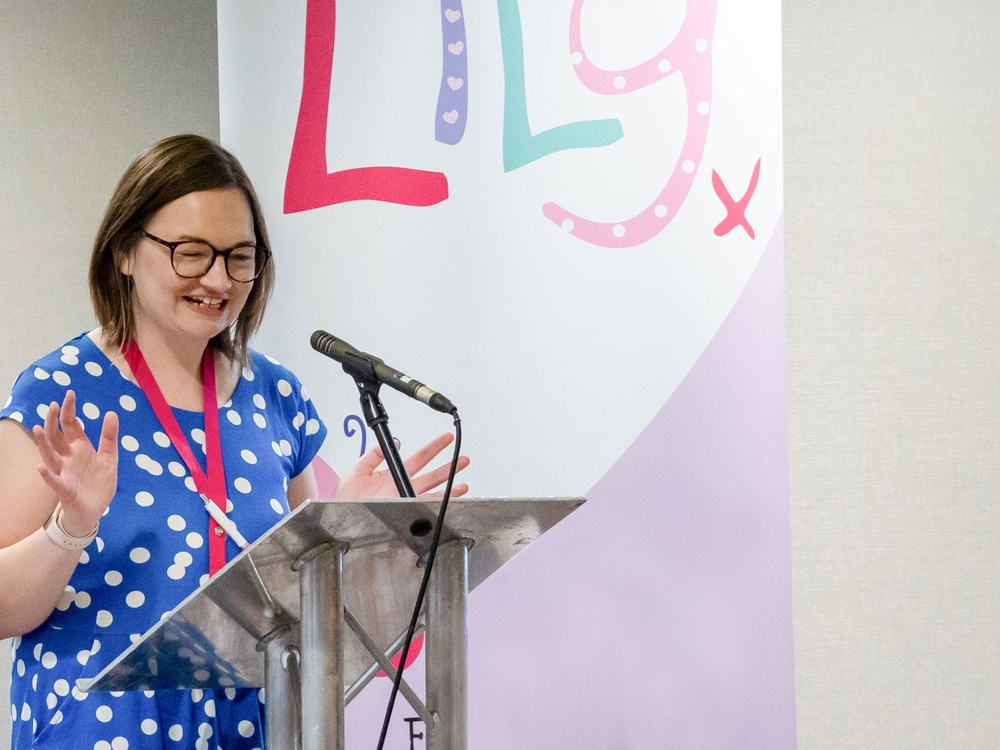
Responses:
[59,537]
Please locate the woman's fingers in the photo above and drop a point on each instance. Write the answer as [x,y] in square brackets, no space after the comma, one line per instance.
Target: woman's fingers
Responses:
[426,454]
[437,477]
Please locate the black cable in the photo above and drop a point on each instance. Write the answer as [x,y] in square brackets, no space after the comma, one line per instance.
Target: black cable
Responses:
[439,525]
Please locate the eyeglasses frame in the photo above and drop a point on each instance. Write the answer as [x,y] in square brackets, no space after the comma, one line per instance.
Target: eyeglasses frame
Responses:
[172,246]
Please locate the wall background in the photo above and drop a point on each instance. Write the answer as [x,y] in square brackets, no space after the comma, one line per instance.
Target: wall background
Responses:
[891,183]
[84,88]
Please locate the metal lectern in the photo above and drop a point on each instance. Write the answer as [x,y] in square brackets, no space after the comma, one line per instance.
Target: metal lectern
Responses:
[314,609]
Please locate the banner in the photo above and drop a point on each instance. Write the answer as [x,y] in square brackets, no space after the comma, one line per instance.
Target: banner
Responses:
[566,216]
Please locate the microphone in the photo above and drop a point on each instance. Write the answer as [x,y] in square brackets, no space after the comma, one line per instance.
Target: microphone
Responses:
[340,351]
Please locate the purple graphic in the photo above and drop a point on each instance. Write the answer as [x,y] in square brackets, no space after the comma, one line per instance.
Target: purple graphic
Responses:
[453,98]
[676,572]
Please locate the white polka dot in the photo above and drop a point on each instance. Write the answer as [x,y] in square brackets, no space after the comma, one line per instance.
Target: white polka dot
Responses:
[139,555]
[210,712]
[161,439]
[201,744]
[49,660]
[619,82]
[259,401]
[663,66]
[66,599]
[203,579]
[20,667]
[233,417]
[104,713]
[196,694]
[198,436]
[84,557]
[82,599]
[57,718]
[127,403]
[202,675]
[230,694]
[145,462]
[176,468]
[129,443]
[312,427]
[113,578]
[305,393]
[90,411]
[284,388]
[61,687]
[687,166]
[104,618]
[95,647]
[144,499]
[701,45]
[194,540]
[183,558]
[119,743]
[70,349]
[99,543]
[135,599]
[618,231]
[286,447]
[248,374]
[149,727]
[40,374]
[116,693]
[102,745]
[660,210]
[176,732]
[17,416]
[258,419]
[94,369]
[189,483]
[276,448]
[277,507]
[42,410]
[248,456]
[25,712]
[576,58]
[245,728]
[176,522]
[242,485]
[61,378]
[300,419]
[229,505]
[702,108]
[51,700]
[176,572]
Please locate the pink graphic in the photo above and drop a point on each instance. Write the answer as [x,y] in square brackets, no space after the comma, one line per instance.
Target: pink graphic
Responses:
[308,184]
[689,54]
[735,210]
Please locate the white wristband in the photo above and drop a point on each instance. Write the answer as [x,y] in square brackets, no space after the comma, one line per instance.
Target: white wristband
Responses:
[55,532]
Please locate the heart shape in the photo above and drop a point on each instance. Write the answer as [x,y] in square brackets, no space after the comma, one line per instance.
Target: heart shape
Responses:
[450,117]
[455,83]
[452,15]
[456,48]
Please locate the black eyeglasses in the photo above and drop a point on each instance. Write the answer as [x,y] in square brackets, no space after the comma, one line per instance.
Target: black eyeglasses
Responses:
[192,259]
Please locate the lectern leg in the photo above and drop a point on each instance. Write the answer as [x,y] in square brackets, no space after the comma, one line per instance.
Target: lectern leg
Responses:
[282,690]
[446,641]
[322,625]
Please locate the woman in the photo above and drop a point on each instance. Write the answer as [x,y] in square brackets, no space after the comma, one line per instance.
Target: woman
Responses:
[98,543]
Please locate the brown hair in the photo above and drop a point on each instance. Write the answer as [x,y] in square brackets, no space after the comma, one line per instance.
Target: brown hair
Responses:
[170,169]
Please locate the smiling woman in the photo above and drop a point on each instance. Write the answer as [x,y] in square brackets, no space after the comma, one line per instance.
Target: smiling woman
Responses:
[103,488]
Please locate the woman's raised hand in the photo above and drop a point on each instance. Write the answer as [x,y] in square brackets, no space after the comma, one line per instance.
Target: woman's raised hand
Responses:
[83,479]
[365,480]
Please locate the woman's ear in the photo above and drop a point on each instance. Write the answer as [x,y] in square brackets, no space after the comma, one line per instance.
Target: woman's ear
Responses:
[125,263]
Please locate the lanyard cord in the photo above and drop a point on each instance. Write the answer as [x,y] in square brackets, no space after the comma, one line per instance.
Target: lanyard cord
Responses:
[213,484]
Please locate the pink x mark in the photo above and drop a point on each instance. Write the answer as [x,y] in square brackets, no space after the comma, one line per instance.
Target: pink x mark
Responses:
[735,210]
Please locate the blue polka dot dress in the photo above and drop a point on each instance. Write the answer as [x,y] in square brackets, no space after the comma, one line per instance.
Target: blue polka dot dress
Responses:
[150,553]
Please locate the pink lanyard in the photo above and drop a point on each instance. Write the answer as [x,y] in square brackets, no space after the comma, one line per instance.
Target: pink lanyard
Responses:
[212,486]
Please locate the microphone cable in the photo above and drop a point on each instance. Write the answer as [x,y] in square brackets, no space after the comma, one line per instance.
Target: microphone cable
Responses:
[432,553]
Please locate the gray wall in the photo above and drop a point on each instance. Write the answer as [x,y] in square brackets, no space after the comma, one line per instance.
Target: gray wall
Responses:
[892,187]
[892,211]
[85,88]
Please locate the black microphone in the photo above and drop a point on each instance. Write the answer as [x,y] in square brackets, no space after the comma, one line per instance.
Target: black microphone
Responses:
[340,351]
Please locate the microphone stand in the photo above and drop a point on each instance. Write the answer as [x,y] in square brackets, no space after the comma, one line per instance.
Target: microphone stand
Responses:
[362,371]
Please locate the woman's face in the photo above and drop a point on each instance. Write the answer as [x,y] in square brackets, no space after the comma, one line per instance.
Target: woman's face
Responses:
[173,308]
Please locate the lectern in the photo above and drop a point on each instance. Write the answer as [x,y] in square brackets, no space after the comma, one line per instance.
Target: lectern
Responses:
[315,608]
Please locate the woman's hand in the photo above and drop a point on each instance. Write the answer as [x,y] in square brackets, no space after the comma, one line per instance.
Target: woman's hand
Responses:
[83,479]
[365,481]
